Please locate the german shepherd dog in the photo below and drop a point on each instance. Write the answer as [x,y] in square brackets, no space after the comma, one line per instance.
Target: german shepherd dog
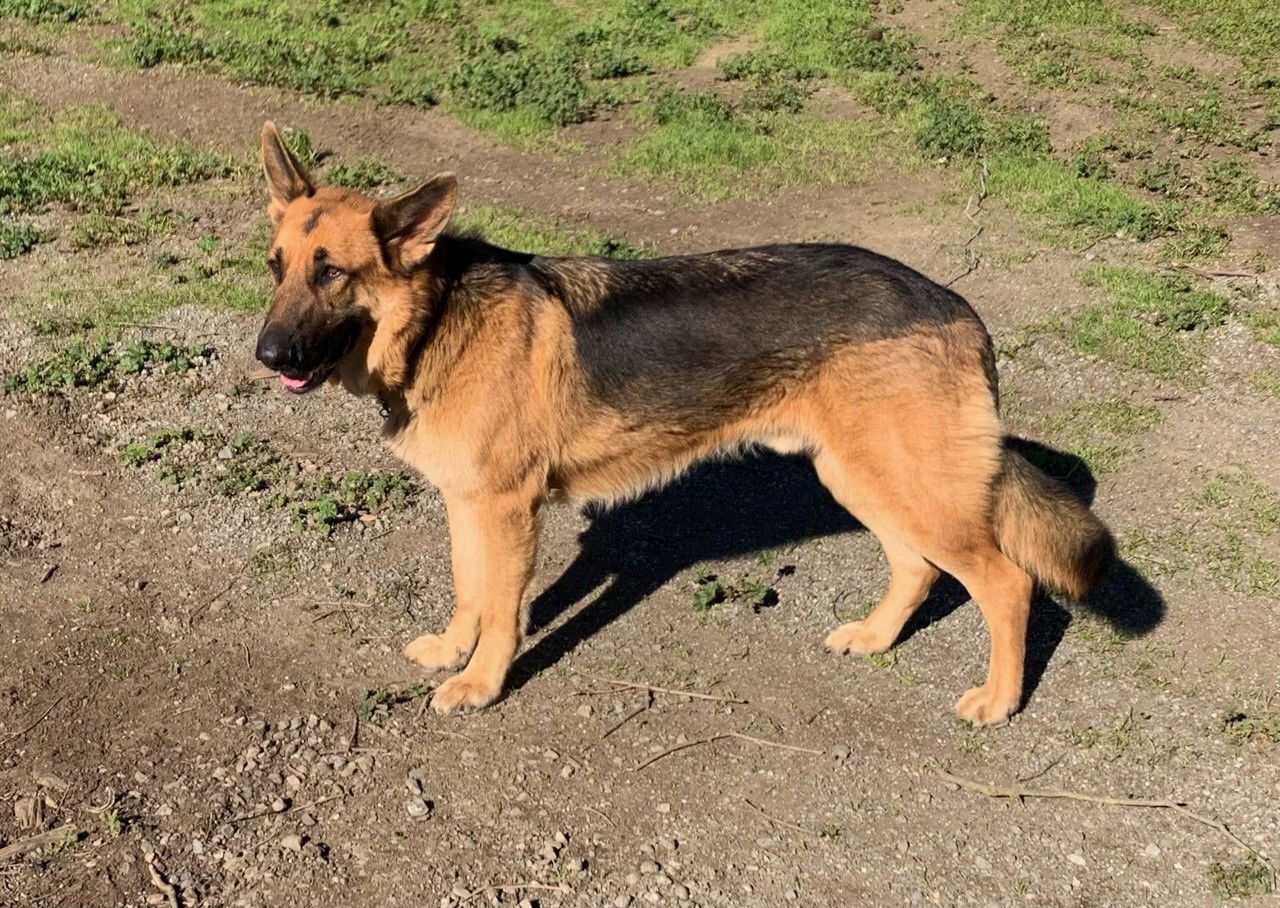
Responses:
[509,377]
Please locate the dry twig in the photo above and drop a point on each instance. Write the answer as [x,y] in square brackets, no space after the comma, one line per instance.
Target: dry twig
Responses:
[31,843]
[720,737]
[1179,807]
[517,887]
[158,879]
[18,734]
[772,819]
[668,690]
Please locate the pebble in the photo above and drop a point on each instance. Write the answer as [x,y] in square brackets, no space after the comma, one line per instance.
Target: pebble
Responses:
[622,901]
[1152,850]
[650,867]
[292,842]
[652,896]
[664,808]
[1077,859]
[841,752]
[576,865]
[680,892]
[417,807]
[278,805]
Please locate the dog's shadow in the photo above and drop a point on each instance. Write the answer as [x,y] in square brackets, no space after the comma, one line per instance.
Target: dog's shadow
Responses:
[763,502]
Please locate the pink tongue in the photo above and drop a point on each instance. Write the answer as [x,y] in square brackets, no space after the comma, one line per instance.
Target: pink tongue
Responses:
[294,384]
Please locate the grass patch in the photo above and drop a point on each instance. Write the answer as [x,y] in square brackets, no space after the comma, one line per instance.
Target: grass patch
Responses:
[320,503]
[1246,878]
[1103,431]
[101,362]
[363,174]
[46,11]
[248,467]
[374,705]
[709,590]
[17,238]
[97,230]
[513,229]
[1241,727]
[86,158]
[1149,322]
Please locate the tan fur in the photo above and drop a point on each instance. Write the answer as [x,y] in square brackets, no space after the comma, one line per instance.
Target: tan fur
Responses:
[497,412]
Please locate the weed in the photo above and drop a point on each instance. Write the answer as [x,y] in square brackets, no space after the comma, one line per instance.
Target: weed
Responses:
[708,591]
[503,76]
[512,229]
[102,362]
[98,229]
[321,503]
[152,447]
[112,823]
[17,238]
[1242,728]
[87,158]
[1248,877]
[1147,321]
[374,704]
[363,174]
[45,11]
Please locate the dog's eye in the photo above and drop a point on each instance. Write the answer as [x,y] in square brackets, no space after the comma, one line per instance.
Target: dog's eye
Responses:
[329,274]
[274,265]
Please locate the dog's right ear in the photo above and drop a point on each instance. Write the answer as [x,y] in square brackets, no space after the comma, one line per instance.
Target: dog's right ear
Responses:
[286,178]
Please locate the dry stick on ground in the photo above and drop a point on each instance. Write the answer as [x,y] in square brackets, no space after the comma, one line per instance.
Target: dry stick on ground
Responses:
[772,819]
[18,734]
[269,813]
[31,843]
[667,690]
[517,887]
[997,791]
[648,703]
[158,878]
[974,202]
[720,737]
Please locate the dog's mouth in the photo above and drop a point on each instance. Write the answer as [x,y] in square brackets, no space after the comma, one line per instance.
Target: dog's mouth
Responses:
[302,382]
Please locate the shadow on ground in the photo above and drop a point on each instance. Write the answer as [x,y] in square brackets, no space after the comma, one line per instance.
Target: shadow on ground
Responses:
[766,501]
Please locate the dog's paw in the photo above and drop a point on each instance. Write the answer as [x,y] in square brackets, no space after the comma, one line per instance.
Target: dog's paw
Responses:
[855,637]
[463,694]
[980,706]
[434,651]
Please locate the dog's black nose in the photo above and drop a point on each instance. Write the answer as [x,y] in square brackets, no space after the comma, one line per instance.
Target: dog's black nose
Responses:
[278,348]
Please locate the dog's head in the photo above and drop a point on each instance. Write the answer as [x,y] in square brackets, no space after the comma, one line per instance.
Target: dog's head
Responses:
[349,272]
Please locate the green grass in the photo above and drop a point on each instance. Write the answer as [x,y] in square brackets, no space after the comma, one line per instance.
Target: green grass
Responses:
[1104,432]
[513,229]
[374,705]
[1149,322]
[97,230]
[1242,727]
[1246,29]
[712,150]
[103,362]
[1246,878]
[363,174]
[321,503]
[86,158]
[46,11]
[17,238]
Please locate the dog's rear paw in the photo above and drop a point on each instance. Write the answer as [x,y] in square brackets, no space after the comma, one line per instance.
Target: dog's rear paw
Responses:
[855,637]
[434,651]
[981,706]
[463,694]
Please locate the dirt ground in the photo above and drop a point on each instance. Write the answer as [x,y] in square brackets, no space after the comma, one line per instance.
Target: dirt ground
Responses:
[187,676]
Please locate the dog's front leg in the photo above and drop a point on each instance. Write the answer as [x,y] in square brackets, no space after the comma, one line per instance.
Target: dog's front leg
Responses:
[494,545]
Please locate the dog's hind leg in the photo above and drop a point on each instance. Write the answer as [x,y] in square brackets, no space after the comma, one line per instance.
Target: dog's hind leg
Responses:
[495,540]
[911,578]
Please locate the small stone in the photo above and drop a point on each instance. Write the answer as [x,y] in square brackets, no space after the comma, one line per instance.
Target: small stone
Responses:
[983,864]
[664,808]
[622,901]
[278,805]
[650,867]
[414,785]
[585,710]
[1152,850]
[633,879]
[576,865]
[461,892]
[680,892]
[292,842]
[566,772]
[1077,859]
[841,752]
[417,807]
[197,846]
[662,880]
[560,839]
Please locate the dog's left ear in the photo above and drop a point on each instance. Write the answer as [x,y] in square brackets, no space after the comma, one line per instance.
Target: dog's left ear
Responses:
[410,224]
[286,178]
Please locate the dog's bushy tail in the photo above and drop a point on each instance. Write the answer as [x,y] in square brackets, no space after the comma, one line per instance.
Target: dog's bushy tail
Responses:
[1047,531]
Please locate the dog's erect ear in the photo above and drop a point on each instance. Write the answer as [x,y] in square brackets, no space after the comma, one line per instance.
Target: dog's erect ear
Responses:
[409,225]
[286,178]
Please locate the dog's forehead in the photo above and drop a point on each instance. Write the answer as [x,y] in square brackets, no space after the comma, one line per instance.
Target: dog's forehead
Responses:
[340,223]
